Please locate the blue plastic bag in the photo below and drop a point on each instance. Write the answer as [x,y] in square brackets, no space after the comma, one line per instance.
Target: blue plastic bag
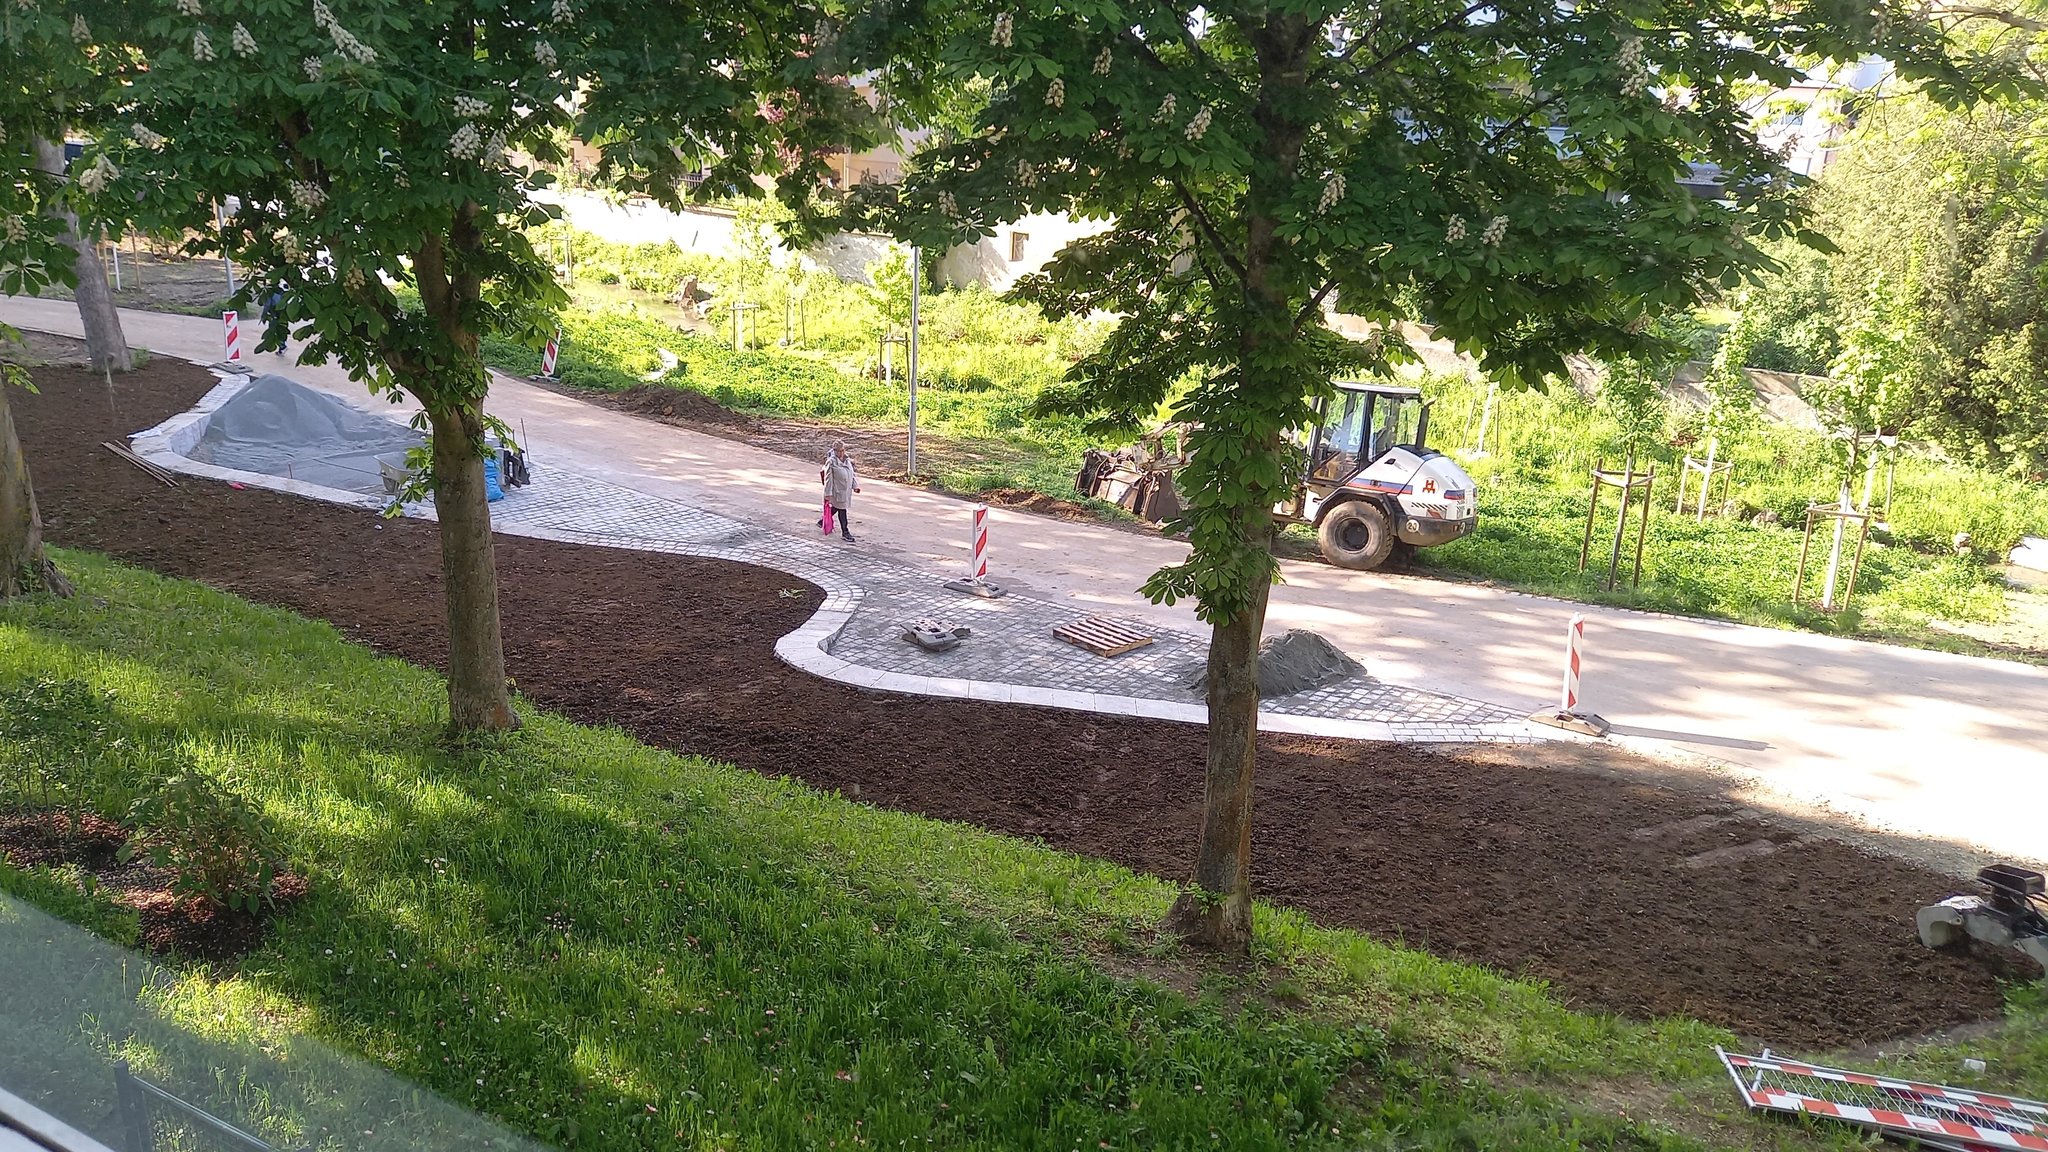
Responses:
[493,491]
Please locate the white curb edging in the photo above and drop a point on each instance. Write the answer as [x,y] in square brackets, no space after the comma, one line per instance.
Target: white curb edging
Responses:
[807,648]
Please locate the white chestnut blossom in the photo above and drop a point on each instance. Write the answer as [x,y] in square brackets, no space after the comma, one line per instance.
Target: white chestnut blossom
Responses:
[1333,191]
[1165,112]
[94,180]
[1027,175]
[494,148]
[15,229]
[467,143]
[1056,93]
[1629,59]
[313,68]
[307,195]
[1199,123]
[288,245]
[202,48]
[1102,62]
[352,279]
[469,107]
[565,12]
[142,134]
[1455,231]
[323,16]
[240,40]
[1495,230]
[999,36]
[949,206]
[188,7]
[544,54]
[80,34]
[346,43]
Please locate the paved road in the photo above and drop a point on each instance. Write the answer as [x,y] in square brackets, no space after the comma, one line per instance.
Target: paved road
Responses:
[1950,749]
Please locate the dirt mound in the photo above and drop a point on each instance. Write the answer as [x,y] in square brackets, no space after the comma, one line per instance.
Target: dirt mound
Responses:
[678,404]
[1296,660]
[1026,500]
[1520,859]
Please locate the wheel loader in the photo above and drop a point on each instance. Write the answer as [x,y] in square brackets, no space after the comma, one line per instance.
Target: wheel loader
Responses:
[1371,484]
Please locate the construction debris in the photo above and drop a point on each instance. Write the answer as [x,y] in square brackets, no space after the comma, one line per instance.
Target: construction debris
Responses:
[1102,636]
[161,475]
[933,636]
[1138,478]
[1932,1115]
[1297,660]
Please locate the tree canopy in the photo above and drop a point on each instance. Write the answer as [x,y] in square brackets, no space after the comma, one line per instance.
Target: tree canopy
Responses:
[1511,172]
[378,157]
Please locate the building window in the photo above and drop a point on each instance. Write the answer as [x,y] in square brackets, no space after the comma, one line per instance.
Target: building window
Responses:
[1017,242]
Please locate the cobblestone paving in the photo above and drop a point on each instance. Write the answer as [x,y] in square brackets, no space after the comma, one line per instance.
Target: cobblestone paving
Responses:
[1011,640]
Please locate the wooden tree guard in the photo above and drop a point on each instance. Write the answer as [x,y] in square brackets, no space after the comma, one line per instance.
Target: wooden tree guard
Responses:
[1628,481]
[1708,469]
[1832,513]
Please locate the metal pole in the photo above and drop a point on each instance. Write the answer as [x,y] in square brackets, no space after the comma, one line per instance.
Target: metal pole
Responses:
[1827,592]
[915,277]
[1643,528]
[115,247]
[1485,417]
[737,306]
[1592,507]
[220,223]
[1707,481]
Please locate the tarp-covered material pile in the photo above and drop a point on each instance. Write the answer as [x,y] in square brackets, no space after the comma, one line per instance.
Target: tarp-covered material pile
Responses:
[279,427]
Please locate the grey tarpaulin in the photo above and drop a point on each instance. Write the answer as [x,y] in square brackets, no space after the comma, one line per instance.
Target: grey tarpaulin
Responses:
[279,427]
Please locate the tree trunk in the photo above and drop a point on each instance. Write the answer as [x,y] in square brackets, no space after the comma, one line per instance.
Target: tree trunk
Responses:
[105,347]
[1216,911]
[478,698]
[23,567]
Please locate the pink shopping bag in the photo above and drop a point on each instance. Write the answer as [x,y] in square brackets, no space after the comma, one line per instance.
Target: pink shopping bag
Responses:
[825,522]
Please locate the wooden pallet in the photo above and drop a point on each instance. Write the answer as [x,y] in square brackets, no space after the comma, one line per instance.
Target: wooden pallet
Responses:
[1102,636]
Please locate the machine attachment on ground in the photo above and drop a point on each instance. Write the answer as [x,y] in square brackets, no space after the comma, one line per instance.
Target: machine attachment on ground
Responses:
[2011,916]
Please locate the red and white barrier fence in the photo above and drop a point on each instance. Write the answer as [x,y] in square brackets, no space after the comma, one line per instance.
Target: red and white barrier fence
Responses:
[231,336]
[547,359]
[978,567]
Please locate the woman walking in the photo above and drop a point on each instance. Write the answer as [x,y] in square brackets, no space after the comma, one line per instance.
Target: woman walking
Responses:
[840,485]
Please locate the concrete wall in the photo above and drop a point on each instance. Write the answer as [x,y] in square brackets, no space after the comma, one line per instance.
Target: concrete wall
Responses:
[1018,248]
[710,231]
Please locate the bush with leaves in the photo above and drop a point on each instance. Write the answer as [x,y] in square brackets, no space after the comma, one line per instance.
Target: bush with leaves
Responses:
[212,841]
[49,731]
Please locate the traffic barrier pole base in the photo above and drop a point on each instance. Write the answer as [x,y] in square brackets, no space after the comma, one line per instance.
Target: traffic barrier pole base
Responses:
[981,588]
[1584,723]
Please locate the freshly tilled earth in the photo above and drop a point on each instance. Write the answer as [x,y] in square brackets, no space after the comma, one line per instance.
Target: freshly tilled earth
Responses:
[1613,890]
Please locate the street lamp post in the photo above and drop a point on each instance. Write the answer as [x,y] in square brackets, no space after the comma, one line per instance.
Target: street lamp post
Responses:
[916,277]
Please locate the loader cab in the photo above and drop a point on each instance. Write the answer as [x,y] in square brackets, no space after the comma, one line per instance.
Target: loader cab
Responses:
[1360,425]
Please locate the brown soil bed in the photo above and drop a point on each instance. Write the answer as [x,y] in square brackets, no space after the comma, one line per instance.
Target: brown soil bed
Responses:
[187,927]
[1514,860]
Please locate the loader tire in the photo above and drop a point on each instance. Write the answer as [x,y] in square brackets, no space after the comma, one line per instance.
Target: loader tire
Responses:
[1356,534]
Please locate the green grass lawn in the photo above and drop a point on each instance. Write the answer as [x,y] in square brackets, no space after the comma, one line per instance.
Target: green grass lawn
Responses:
[608,946]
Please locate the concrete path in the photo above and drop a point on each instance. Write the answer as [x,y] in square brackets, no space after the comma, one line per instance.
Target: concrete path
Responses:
[1945,748]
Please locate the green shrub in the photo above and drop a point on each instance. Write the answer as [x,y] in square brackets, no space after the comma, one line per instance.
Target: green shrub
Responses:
[52,731]
[214,844]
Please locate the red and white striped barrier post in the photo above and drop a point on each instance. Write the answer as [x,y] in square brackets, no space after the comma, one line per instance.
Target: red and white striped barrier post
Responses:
[1574,640]
[547,359]
[977,581]
[978,567]
[1568,714]
[231,335]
